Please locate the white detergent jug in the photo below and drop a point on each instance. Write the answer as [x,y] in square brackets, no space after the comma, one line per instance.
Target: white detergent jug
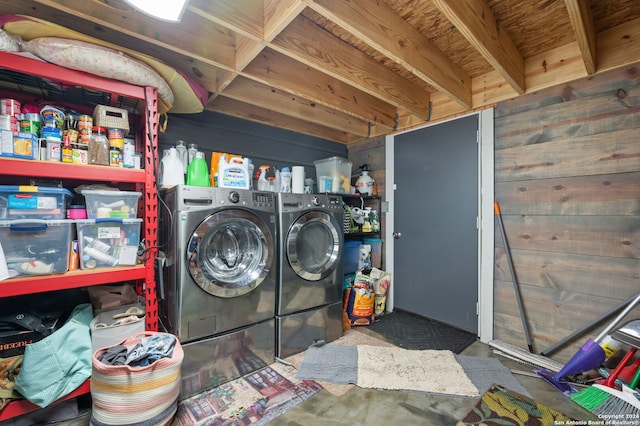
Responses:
[171,169]
[365,184]
[233,173]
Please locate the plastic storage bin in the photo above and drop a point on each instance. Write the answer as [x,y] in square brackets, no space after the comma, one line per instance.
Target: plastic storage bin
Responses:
[333,175]
[36,246]
[108,242]
[351,256]
[33,202]
[111,204]
[376,251]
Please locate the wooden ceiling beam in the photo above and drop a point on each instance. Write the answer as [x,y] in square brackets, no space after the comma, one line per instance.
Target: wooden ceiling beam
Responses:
[263,96]
[477,24]
[384,30]
[232,107]
[277,70]
[306,42]
[582,23]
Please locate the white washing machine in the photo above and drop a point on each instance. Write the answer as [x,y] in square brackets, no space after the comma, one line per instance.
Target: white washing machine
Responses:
[309,296]
[219,285]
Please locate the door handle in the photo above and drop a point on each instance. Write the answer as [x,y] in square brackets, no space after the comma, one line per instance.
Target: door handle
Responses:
[397,235]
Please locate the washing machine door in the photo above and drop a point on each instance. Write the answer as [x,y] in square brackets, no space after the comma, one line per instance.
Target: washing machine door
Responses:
[230,253]
[314,245]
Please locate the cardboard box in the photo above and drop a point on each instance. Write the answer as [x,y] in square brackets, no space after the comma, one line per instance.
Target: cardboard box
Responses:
[26,145]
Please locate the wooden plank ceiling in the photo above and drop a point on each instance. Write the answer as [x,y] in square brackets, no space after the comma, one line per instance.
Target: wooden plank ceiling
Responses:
[345,70]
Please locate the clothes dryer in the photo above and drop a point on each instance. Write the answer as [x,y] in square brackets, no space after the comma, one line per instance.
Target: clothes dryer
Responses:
[309,296]
[218,295]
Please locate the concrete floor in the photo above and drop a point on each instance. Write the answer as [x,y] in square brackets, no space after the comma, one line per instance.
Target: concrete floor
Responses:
[380,408]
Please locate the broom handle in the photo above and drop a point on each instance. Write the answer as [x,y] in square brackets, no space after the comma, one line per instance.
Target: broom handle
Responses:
[632,301]
[615,322]
[611,380]
[636,379]
[516,288]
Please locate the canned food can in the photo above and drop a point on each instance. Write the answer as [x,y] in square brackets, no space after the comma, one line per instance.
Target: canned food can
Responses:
[116,138]
[5,122]
[9,107]
[30,126]
[114,157]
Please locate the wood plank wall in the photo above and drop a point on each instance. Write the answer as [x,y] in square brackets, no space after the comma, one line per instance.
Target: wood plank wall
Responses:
[567,177]
[568,182]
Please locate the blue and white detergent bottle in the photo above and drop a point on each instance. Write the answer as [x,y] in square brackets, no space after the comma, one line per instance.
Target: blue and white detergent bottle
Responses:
[233,173]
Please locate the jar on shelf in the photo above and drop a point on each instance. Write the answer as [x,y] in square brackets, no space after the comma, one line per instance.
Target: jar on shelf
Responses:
[98,147]
[84,126]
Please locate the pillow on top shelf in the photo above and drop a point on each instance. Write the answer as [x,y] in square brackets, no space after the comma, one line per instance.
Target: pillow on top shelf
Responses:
[98,60]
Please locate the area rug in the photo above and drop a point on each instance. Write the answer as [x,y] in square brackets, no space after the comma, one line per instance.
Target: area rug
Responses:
[412,331]
[484,372]
[254,399]
[351,338]
[406,369]
[500,406]
[337,365]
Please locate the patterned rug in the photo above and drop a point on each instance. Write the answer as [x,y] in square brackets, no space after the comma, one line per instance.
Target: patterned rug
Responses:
[411,331]
[500,406]
[351,337]
[254,399]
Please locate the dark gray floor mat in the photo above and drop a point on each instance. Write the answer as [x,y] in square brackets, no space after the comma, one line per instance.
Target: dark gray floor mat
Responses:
[412,331]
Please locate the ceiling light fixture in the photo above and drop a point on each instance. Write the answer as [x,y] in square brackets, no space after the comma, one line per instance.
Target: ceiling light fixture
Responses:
[166,10]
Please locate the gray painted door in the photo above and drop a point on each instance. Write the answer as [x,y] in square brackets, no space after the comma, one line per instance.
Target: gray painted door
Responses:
[436,206]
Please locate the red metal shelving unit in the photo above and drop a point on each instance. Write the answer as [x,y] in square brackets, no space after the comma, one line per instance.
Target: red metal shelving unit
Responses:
[143,180]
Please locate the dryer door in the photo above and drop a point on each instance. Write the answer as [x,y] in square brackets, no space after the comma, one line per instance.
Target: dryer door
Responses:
[230,253]
[314,245]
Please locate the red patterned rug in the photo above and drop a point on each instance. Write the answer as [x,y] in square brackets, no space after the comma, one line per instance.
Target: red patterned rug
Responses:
[254,399]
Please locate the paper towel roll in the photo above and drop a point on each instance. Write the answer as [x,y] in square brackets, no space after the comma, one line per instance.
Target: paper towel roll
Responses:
[297,179]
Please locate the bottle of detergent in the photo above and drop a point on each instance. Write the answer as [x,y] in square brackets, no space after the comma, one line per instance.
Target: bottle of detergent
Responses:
[197,172]
[171,169]
[285,180]
[233,173]
[213,172]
